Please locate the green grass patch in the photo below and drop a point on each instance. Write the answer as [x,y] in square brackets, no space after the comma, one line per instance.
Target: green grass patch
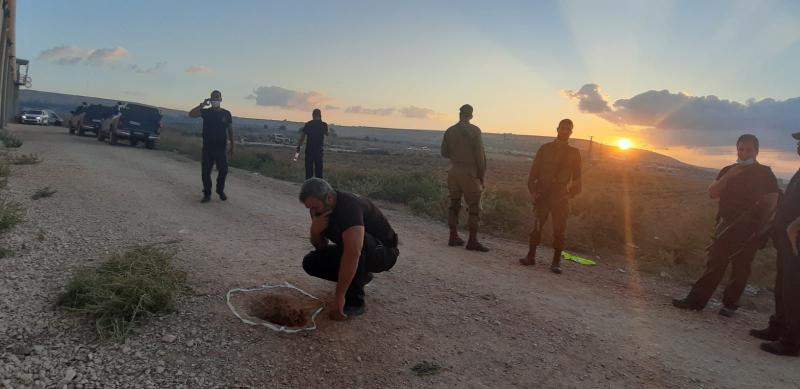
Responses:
[125,290]
[11,214]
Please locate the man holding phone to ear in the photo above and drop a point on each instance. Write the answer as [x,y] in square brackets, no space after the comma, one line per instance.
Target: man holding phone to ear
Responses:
[217,134]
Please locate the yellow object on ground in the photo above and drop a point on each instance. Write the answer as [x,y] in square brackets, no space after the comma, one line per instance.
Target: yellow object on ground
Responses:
[577,259]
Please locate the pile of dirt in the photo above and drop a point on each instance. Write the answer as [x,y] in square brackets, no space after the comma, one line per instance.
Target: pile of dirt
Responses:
[281,309]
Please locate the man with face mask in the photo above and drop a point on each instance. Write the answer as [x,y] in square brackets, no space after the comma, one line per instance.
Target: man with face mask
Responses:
[352,239]
[463,146]
[748,193]
[554,179]
[783,332]
[217,135]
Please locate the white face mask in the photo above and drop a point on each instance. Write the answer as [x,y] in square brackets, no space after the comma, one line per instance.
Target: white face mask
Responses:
[746,161]
[215,103]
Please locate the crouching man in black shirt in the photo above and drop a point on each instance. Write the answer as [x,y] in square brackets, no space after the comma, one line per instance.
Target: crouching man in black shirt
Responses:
[352,240]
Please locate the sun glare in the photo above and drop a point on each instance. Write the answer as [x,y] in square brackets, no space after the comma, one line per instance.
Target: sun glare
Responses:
[624,144]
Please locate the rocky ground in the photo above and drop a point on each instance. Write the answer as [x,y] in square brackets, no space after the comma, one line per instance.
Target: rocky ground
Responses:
[471,320]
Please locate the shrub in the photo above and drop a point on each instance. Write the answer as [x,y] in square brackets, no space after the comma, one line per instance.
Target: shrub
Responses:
[11,214]
[9,140]
[125,290]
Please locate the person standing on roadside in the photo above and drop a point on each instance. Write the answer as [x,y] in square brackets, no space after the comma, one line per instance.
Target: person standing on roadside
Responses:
[313,132]
[748,193]
[554,179]
[217,136]
[783,332]
[463,146]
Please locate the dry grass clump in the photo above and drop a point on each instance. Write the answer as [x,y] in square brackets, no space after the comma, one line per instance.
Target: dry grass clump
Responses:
[125,290]
[25,159]
[9,140]
[11,214]
[43,193]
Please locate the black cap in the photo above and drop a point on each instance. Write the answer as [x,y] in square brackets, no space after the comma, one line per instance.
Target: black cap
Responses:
[465,109]
[796,135]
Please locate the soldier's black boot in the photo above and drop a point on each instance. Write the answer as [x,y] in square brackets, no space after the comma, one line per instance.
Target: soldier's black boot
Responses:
[530,259]
[769,334]
[555,266]
[474,245]
[455,240]
[781,348]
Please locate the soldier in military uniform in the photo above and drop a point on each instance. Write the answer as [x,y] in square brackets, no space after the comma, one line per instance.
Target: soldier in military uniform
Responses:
[554,179]
[783,332]
[463,146]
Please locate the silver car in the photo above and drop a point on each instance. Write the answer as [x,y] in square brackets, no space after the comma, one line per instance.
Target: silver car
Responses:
[35,116]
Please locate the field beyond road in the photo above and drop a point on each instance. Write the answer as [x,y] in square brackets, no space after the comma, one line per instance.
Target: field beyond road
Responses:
[484,319]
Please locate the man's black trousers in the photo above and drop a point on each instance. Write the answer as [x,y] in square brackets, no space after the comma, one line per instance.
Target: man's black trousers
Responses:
[313,164]
[375,258]
[212,156]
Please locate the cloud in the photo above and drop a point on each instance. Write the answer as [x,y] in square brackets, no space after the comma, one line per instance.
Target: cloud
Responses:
[197,69]
[103,57]
[275,96]
[589,99]
[71,55]
[679,119]
[418,112]
[357,109]
[159,66]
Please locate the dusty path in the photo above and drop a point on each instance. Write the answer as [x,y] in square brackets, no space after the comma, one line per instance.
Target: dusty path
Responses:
[487,321]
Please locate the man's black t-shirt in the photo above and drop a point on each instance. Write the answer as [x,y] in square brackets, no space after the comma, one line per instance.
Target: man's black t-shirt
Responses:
[315,131]
[215,127]
[745,189]
[353,210]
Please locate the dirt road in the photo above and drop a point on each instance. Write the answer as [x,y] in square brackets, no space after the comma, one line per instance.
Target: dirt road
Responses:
[487,321]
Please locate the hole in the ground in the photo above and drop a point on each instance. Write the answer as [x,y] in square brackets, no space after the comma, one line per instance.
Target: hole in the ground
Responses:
[278,309]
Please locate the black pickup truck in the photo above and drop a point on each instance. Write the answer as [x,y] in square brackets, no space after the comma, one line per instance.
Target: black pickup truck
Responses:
[135,123]
[93,117]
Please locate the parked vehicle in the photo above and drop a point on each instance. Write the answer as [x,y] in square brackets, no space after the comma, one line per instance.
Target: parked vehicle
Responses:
[134,123]
[76,117]
[92,119]
[54,118]
[35,116]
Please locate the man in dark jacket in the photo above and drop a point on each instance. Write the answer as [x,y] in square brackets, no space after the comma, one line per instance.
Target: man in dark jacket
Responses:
[313,132]
[783,331]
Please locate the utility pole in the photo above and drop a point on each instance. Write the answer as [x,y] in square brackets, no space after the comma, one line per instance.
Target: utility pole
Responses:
[589,156]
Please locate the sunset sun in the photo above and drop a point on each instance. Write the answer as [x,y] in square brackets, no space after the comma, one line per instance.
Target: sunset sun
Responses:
[624,144]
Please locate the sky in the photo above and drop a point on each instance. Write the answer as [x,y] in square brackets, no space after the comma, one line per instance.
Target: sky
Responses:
[683,78]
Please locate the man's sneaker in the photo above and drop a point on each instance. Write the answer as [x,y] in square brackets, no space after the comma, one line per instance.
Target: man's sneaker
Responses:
[477,246]
[555,269]
[686,304]
[354,310]
[222,196]
[206,198]
[780,348]
[455,241]
[369,279]
[727,311]
[768,334]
